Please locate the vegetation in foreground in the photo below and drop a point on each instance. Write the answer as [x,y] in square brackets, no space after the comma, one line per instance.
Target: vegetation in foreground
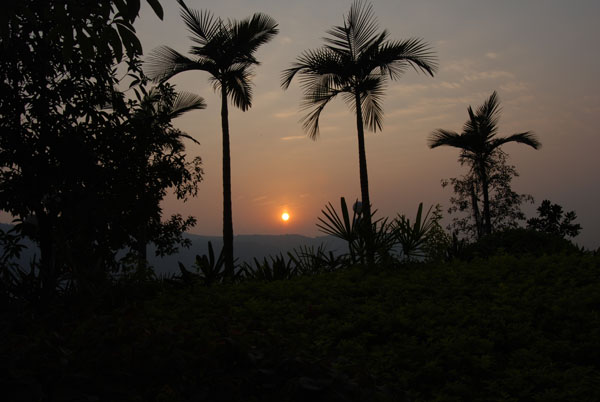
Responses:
[501,329]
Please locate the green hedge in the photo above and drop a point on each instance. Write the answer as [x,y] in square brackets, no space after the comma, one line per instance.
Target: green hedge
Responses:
[502,329]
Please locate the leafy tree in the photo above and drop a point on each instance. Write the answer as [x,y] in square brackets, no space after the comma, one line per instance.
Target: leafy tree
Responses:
[225,50]
[551,219]
[355,63]
[69,166]
[477,143]
[70,23]
[504,203]
[158,160]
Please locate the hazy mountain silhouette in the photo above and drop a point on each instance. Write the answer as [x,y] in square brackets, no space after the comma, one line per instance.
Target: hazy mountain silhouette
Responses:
[247,248]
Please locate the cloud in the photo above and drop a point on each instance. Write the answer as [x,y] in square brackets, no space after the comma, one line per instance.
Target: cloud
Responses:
[514,87]
[449,85]
[491,55]
[259,198]
[409,89]
[488,75]
[285,40]
[293,138]
[285,114]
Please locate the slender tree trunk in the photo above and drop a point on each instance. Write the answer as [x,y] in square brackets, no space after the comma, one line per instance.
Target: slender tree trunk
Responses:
[476,215]
[142,246]
[364,180]
[48,274]
[486,202]
[227,214]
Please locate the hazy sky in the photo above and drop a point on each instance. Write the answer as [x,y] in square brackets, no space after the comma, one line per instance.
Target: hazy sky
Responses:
[541,56]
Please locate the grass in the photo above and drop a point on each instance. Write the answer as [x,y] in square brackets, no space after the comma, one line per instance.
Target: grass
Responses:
[501,329]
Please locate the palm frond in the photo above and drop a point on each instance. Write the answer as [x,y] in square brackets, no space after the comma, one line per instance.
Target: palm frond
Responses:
[250,33]
[311,65]
[360,27]
[201,24]
[442,137]
[318,98]
[237,79]
[393,58]
[185,102]
[165,62]
[527,138]
[373,90]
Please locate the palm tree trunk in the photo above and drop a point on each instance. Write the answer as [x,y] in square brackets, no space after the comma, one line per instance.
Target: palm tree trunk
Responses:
[364,179]
[476,215]
[227,214]
[486,202]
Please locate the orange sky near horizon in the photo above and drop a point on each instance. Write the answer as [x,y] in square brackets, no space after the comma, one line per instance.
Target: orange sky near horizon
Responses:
[538,54]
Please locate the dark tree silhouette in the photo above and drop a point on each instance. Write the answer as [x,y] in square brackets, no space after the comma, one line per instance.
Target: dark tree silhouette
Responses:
[505,204]
[225,50]
[355,63]
[68,156]
[157,152]
[477,143]
[551,219]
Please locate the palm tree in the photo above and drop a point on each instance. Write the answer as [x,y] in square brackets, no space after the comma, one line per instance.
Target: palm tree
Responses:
[225,50]
[478,142]
[355,62]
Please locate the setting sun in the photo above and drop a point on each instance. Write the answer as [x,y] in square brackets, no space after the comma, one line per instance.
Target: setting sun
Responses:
[285,216]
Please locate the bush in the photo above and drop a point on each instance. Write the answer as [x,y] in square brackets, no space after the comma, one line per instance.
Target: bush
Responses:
[519,242]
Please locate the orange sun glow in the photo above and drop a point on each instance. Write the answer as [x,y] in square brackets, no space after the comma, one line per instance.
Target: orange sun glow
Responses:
[285,216]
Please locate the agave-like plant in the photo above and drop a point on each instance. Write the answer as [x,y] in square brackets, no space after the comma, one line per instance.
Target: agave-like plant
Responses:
[357,232]
[341,227]
[311,261]
[275,270]
[414,236]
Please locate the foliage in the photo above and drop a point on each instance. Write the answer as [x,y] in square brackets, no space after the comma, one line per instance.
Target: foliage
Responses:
[311,261]
[417,239]
[277,269]
[76,159]
[357,233]
[341,227]
[72,21]
[505,328]
[519,242]
[504,203]
[480,149]
[550,220]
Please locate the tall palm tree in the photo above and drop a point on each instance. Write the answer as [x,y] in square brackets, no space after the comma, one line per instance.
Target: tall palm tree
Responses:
[477,143]
[225,50]
[355,62]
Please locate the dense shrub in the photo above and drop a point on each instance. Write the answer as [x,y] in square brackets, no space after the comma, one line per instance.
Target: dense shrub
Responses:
[519,242]
[501,329]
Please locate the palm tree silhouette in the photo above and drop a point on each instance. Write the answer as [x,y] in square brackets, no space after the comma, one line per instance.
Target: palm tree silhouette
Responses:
[478,142]
[225,50]
[355,62]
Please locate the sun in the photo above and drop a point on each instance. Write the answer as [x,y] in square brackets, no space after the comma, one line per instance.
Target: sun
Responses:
[285,216]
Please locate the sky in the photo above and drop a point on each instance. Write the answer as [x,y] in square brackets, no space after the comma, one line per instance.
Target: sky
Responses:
[538,54]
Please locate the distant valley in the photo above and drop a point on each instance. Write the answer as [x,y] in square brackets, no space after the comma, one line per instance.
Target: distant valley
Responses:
[246,247]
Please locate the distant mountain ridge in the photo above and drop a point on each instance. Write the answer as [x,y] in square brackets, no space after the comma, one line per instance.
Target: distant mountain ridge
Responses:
[246,248]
